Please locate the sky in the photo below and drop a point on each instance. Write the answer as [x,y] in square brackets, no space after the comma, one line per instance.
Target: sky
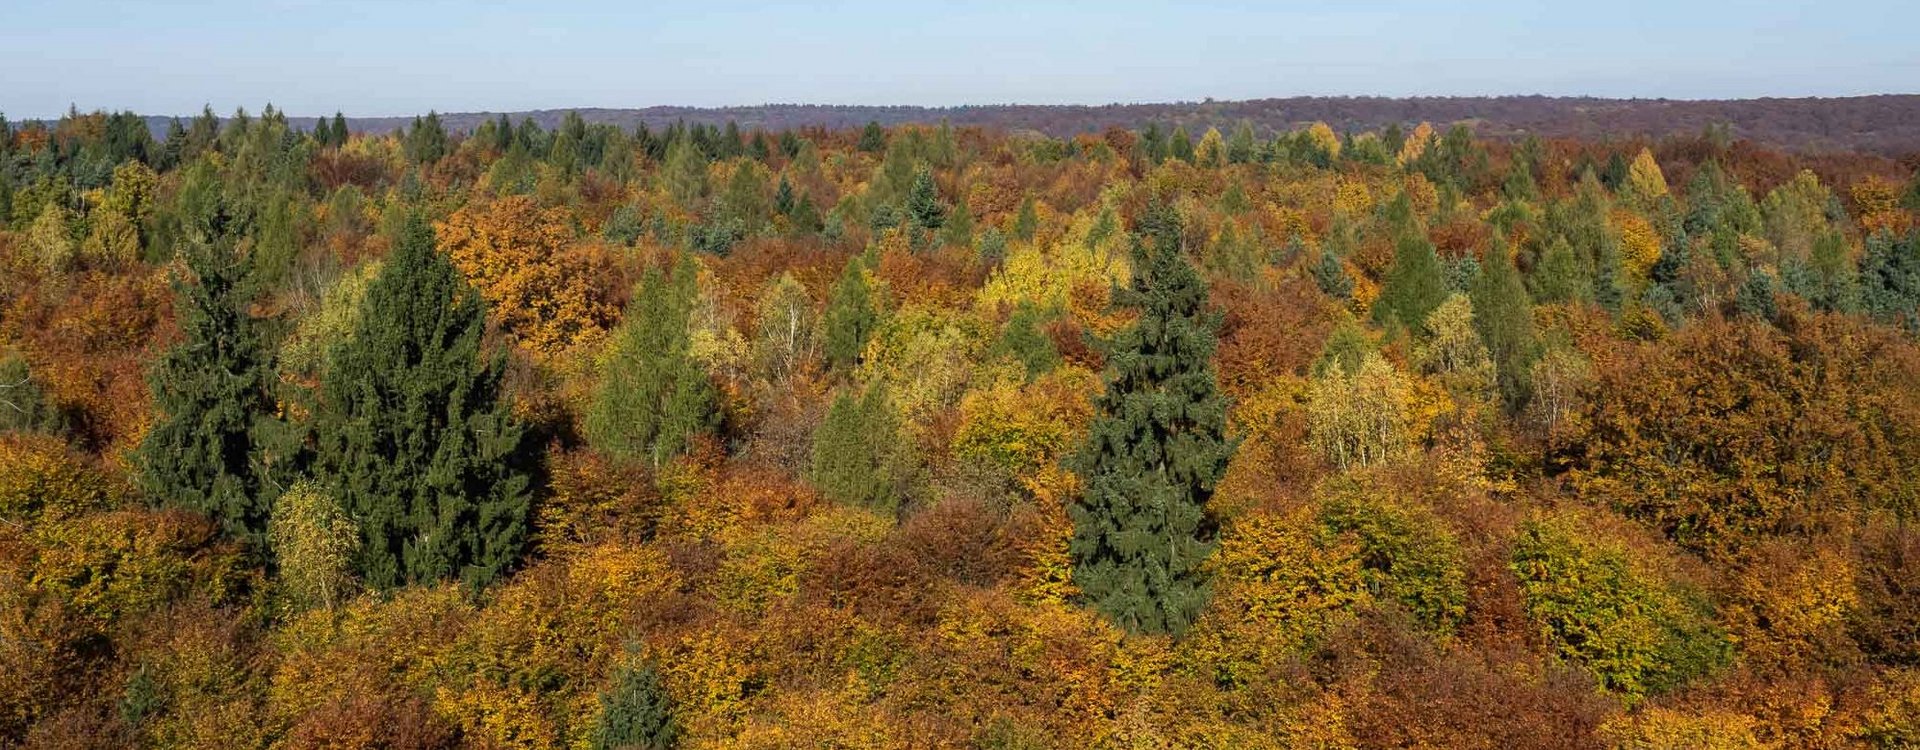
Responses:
[402,57]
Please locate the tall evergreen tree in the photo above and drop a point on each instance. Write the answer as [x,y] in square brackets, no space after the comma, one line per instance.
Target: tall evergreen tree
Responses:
[211,391]
[426,141]
[340,131]
[323,132]
[1503,315]
[857,454]
[850,316]
[923,201]
[873,139]
[412,434]
[655,397]
[1416,285]
[1155,451]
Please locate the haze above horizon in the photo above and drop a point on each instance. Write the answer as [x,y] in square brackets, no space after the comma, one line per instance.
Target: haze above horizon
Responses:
[392,59]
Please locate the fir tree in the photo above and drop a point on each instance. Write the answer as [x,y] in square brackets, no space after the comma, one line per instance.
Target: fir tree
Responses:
[426,141]
[923,201]
[1154,453]
[857,455]
[1027,222]
[323,132]
[873,139]
[412,434]
[1890,279]
[850,316]
[636,713]
[1558,276]
[1332,277]
[340,131]
[655,397]
[1414,287]
[1504,317]
[211,389]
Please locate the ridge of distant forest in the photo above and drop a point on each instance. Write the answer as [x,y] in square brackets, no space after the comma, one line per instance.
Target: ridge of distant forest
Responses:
[1887,124]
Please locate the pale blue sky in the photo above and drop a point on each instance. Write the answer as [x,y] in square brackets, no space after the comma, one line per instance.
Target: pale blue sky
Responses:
[406,56]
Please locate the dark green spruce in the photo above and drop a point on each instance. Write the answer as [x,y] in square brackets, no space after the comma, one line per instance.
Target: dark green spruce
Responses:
[1154,453]
[211,391]
[412,432]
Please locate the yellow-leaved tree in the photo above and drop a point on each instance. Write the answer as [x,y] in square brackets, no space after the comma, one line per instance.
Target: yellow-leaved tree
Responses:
[519,255]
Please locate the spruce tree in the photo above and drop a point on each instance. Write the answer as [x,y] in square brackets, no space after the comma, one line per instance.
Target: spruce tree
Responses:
[923,201]
[1156,449]
[1504,317]
[655,398]
[412,434]
[850,316]
[637,713]
[211,389]
[323,132]
[857,456]
[873,139]
[340,131]
[1414,287]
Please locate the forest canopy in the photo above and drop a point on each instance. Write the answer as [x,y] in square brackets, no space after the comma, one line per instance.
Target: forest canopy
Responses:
[579,435]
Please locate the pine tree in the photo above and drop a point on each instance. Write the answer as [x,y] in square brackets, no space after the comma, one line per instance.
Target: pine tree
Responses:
[958,230]
[655,397]
[412,435]
[1504,317]
[850,316]
[1890,279]
[1155,451]
[1027,222]
[340,131]
[1181,145]
[636,713]
[211,390]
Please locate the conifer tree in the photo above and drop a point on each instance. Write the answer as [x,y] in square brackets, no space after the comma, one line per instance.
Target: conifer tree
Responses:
[923,201]
[1416,285]
[340,131]
[636,713]
[1156,449]
[426,141]
[1332,277]
[873,139]
[1558,276]
[850,316]
[1503,315]
[655,397]
[211,390]
[857,455]
[412,435]
[323,132]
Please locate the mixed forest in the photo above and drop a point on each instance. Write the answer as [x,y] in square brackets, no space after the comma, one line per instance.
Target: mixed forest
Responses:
[583,436]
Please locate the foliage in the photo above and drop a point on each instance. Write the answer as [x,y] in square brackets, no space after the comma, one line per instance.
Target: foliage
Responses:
[1597,609]
[636,712]
[413,436]
[313,542]
[1155,451]
[520,257]
[212,390]
[653,398]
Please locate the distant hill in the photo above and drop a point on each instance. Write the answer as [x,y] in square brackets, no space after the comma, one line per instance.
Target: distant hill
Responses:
[1885,124]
